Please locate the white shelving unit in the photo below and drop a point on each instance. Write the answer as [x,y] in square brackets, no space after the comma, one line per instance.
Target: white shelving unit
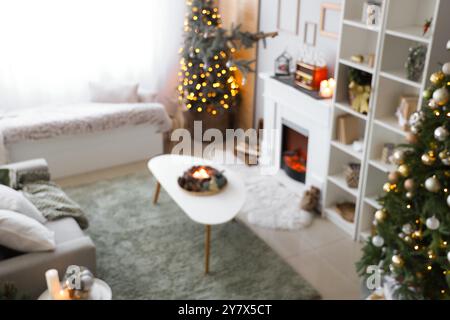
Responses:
[401,26]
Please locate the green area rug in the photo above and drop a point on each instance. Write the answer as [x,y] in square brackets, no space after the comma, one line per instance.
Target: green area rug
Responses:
[157,252]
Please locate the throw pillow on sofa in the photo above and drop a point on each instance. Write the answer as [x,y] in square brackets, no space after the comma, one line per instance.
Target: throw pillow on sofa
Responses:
[13,200]
[103,93]
[21,233]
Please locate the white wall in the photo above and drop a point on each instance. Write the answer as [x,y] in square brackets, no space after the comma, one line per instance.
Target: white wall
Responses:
[309,11]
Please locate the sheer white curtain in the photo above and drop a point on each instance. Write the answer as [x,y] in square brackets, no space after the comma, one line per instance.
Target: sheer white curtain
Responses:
[51,49]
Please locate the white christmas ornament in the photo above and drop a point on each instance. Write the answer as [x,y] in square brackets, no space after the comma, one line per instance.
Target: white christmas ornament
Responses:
[377,241]
[441,96]
[448,256]
[432,184]
[441,133]
[433,223]
[446,68]
[448,201]
[407,228]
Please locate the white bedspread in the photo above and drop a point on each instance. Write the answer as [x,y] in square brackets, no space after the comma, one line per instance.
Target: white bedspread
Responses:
[63,120]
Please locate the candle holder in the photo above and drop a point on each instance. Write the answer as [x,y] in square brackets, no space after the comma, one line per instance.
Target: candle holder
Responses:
[202,180]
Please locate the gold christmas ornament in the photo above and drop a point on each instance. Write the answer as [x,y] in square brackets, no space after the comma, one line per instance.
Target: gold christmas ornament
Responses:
[394,177]
[427,160]
[409,184]
[399,157]
[397,260]
[387,187]
[444,155]
[437,77]
[404,170]
[380,215]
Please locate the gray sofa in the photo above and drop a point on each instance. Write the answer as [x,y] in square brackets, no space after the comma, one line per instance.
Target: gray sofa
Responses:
[73,247]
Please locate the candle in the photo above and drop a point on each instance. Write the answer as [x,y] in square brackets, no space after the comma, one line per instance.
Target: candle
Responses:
[327,88]
[53,284]
[201,174]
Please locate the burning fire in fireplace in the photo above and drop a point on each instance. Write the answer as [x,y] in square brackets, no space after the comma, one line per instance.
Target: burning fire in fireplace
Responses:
[295,161]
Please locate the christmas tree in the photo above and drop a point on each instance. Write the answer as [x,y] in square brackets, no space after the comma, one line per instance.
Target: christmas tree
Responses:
[411,242]
[208,80]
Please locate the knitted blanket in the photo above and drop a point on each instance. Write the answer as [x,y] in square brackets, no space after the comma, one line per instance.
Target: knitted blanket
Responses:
[53,203]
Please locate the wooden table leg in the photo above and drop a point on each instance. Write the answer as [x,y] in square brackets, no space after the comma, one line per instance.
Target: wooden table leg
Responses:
[207,247]
[157,190]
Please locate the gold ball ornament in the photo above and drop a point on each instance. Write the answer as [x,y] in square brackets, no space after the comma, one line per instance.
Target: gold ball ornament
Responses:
[441,96]
[399,157]
[394,177]
[432,184]
[445,157]
[437,77]
[380,215]
[409,184]
[397,260]
[427,159]
[388,187]
[404,170]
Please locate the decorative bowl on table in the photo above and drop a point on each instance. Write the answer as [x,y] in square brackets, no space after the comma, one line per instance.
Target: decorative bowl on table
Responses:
[202,180]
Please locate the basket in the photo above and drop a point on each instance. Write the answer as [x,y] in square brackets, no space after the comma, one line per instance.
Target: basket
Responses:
[352,171]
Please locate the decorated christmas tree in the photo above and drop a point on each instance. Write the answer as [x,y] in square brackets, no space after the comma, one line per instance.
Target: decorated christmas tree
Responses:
[412,239]
[208,80]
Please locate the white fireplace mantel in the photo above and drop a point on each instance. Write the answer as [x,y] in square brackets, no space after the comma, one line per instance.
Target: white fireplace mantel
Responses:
[284,104]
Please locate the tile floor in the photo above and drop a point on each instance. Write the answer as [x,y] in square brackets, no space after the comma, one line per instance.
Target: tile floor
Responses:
[322,254]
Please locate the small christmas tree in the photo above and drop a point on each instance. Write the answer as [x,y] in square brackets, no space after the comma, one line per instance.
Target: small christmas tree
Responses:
[412,240]
[208,81]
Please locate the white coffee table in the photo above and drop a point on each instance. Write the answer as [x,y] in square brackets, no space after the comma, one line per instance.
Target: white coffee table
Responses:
[207,210]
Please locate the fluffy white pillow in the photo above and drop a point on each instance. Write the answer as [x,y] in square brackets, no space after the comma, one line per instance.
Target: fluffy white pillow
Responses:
[113,93]
[146,96]
[18,232]
[13,200]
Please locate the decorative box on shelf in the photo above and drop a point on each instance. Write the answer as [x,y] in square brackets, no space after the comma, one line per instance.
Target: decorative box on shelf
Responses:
[310,76]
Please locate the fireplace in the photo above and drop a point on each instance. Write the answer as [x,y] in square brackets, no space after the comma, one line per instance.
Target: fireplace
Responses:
[294,151]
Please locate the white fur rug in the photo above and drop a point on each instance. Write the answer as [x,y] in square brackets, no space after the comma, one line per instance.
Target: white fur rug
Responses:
[269,203]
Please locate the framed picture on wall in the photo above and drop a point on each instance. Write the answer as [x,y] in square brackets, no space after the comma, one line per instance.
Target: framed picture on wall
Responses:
[310,33]
[289,16]
[330,16]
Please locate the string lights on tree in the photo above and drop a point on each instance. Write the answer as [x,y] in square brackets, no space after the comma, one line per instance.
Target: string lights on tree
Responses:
[208,70]
[411,241]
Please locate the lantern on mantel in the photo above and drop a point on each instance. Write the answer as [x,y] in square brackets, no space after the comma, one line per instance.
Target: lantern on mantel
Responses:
[283,64]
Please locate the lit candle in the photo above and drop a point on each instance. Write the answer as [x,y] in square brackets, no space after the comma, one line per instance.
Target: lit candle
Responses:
[332,84]
[53,284]
[201,174]
[327,88]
